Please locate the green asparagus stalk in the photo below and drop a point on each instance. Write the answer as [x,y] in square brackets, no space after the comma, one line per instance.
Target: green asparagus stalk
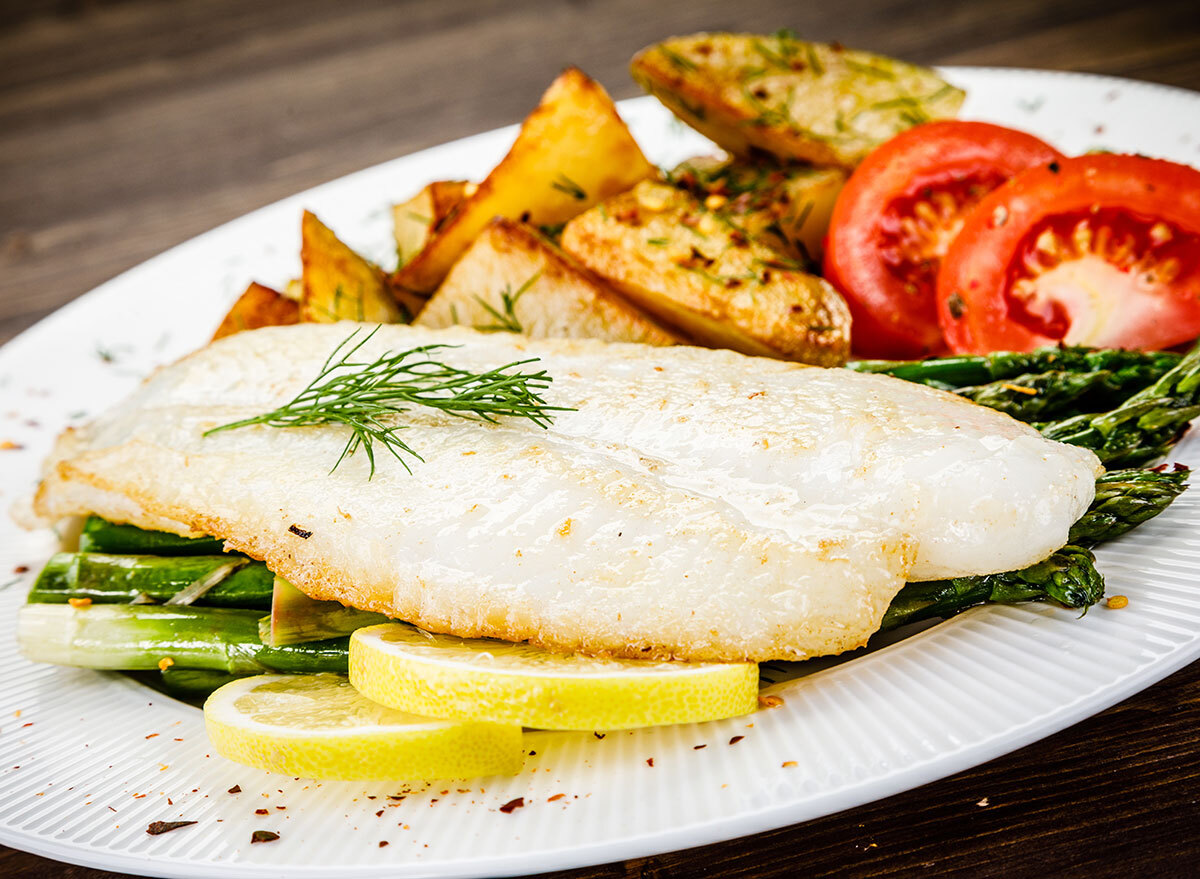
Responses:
[1128,367]
[100,535]
[1125,498]
[1069,577]
[1145,426]
[145,637]
[193,684]
[1054,395]
[124,579]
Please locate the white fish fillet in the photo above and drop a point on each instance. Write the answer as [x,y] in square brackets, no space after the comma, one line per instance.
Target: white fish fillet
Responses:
[698,504]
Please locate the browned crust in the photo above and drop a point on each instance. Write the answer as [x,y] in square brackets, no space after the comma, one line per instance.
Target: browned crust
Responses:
[259,306]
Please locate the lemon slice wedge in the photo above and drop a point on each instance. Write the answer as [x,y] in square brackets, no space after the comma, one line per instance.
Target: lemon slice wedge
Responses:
[475,679]
[318,726]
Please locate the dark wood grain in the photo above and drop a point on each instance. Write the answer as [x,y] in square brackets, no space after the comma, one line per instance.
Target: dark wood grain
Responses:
[128,127]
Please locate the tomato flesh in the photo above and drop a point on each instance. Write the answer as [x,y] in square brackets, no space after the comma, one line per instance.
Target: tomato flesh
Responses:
[896,217]
[1099,250]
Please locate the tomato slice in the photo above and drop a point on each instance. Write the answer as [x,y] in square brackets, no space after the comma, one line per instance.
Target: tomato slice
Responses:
[1099,250]
[896,217]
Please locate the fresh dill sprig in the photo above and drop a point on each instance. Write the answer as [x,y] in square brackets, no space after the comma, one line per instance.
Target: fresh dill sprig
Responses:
[365,396]
[506,320]
[566,185]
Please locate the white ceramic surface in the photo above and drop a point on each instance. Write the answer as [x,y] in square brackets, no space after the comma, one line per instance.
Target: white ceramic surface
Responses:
[87,760]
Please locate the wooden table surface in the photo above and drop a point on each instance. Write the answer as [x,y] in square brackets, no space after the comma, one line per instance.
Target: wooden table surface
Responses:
[128,127]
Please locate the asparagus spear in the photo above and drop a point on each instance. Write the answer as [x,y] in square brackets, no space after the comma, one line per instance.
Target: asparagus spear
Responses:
[977,369]
[1069,577]
[140,637]
[1059,394]
[122,579]
[1146,425]
[1125,498]
[100,535]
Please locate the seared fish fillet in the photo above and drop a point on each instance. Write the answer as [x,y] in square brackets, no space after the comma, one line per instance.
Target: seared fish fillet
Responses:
[697,504]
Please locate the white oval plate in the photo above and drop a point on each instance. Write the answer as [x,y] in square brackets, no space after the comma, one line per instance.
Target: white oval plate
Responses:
[87,760]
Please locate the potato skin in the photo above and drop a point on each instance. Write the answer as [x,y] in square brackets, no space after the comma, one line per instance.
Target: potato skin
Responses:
[258,306]
[572,151]
[415,221]
[550,294]
[793,99]
[694,271]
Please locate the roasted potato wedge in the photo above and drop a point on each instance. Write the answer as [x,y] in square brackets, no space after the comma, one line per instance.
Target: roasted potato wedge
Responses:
[572,151]
[794,99]
[418,218]
[338,284]
[512,278]
[693,270]
[259,306]
[786,205]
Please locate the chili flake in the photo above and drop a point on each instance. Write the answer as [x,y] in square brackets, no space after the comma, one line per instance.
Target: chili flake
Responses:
[1116,602]
[263,836]
[79,603]
[159,827]
[512,805]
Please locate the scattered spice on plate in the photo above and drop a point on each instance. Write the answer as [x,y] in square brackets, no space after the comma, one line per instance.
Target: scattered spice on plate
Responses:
[736,739]
[157,828]
[79,602]
[21,569]
[770,701]
[263,836]
[300,532]
[698,747]
[789,764]
[383,843]
[236,789]
[650,762]
[1116,602]
[555,798]
[262,811]
[512,805]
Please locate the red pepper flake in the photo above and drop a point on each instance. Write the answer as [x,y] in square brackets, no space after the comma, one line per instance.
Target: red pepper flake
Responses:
[698,747]
[29,723]
[300,532]
[262,811]
[383,843]
[379,813]
[236,789]
[152,735]
[512,805]
[159,827]
[111,809]
[10,446]
[263,836]
[79,603]
[281,808]
[770,701]
[650,762]
[789,764]
[21,569]
[555,798]
[736,739]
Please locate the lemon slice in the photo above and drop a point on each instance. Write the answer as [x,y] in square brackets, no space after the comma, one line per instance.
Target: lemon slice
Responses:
[501,682]
[318,726]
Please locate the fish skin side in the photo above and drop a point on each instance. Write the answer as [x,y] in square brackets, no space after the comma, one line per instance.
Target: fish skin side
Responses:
[696,504]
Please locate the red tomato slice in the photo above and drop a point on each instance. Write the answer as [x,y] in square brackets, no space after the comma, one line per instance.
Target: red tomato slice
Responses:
[898,214]
[1099,250]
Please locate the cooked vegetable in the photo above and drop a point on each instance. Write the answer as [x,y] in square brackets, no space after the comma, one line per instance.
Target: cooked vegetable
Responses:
[1125,498]
[1145,426]
[192,684]
[572,151]
[338,284]
[419,218]
[258,307]
[144,637]
[120,579]
[1096,250]
[785,205]
[897,216]
[961,370]
[794,99]
[295,618]
[1069,577]
[513,279]
[100,535]
[692,269]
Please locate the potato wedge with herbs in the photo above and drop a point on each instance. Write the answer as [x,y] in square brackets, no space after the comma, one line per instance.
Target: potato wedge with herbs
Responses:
[793,99]
[259,306]
[338,284]
[417,219]
[786,205]
[572,151]
[694,270]
[512,278]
